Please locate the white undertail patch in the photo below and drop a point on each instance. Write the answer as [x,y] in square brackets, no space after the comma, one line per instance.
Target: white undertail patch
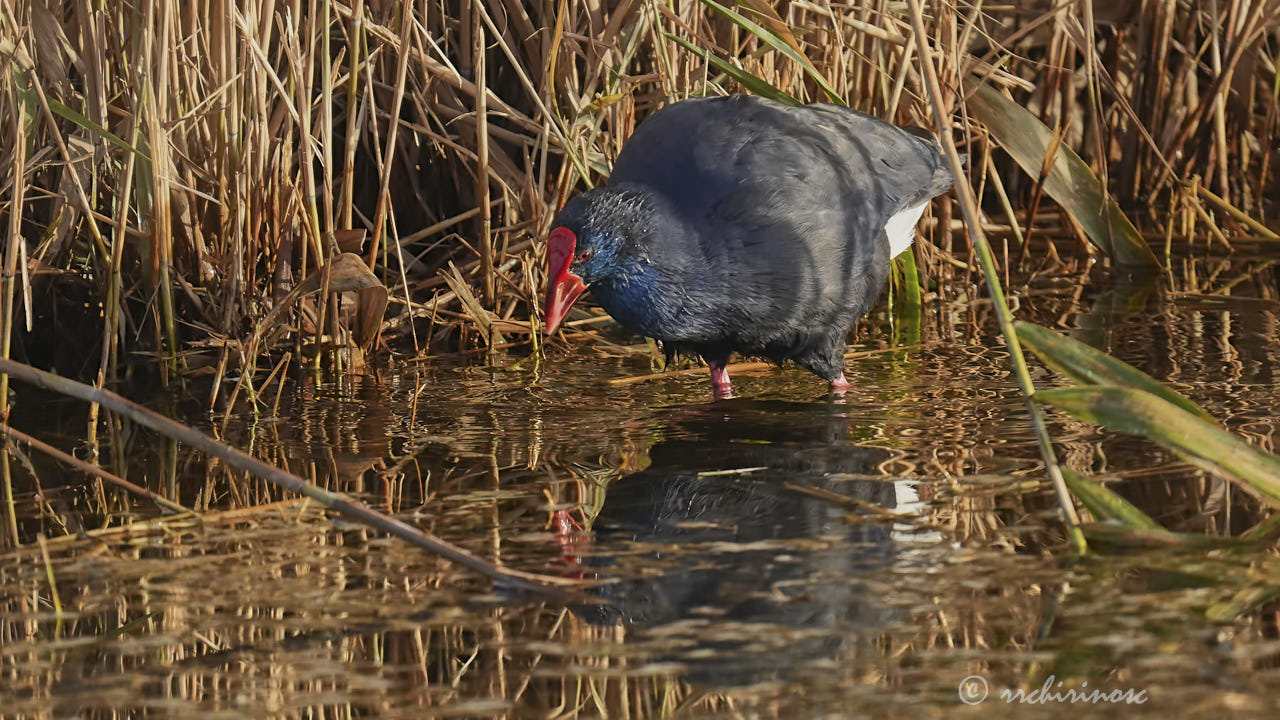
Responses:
[901,228]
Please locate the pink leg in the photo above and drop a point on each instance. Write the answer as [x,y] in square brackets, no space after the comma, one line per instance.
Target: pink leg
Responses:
[840,386]
[720,381]
[567,530]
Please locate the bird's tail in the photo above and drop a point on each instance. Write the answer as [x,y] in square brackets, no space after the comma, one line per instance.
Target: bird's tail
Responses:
[942,178]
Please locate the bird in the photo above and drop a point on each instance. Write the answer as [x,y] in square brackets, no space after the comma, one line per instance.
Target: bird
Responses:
[740,224]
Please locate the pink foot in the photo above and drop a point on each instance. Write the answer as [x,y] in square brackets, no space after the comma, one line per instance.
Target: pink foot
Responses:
[720,384]
[565,525]
[567,530]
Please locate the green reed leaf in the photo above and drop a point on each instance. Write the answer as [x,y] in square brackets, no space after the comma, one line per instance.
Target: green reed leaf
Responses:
[756,85]
[28,95]
[1189,436]
[1105,504]
[1086,365]
[1070,181]
[778,44]
[1242,602]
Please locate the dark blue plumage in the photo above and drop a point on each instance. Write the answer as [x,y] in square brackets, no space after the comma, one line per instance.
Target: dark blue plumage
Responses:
[739,224]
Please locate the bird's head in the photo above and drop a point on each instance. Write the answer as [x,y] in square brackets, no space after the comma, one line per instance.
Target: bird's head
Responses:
[594,238]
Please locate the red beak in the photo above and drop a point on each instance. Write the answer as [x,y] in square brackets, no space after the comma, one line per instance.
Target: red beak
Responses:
[563,287]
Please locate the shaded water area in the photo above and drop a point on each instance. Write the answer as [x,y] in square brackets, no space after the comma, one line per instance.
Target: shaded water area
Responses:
[779,554]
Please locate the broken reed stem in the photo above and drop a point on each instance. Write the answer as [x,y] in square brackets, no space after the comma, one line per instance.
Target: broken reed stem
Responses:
[240,460]
[969,208]
[1237,213]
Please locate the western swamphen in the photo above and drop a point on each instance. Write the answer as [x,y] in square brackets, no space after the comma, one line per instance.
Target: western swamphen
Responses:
[740,224]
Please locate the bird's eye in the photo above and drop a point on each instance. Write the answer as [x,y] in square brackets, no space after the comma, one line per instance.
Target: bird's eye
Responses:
[584,255]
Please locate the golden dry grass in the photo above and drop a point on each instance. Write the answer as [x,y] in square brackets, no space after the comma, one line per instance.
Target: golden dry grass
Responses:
[169,175]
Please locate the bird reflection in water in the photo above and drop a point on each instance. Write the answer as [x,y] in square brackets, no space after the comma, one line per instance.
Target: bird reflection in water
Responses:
[755,576]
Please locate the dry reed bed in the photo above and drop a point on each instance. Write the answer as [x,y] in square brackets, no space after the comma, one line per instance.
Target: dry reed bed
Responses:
[169,175]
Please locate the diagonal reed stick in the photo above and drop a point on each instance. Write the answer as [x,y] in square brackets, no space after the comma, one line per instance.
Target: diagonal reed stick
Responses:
[91,469]
[240,460]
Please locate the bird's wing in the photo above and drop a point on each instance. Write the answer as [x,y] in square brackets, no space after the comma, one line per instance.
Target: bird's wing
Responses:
[788,204]
[698,153]
[907,161]
[761,182]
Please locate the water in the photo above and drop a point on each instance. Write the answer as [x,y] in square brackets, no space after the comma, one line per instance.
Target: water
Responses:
[775,555]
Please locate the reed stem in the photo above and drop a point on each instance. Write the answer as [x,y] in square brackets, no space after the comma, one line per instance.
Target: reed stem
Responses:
[969,208]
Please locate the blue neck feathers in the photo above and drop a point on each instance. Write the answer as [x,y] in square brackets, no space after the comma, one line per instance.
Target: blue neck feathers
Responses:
[639,298]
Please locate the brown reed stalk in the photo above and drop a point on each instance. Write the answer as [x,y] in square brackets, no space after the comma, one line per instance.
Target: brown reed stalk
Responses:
[8,314]
[484,239]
